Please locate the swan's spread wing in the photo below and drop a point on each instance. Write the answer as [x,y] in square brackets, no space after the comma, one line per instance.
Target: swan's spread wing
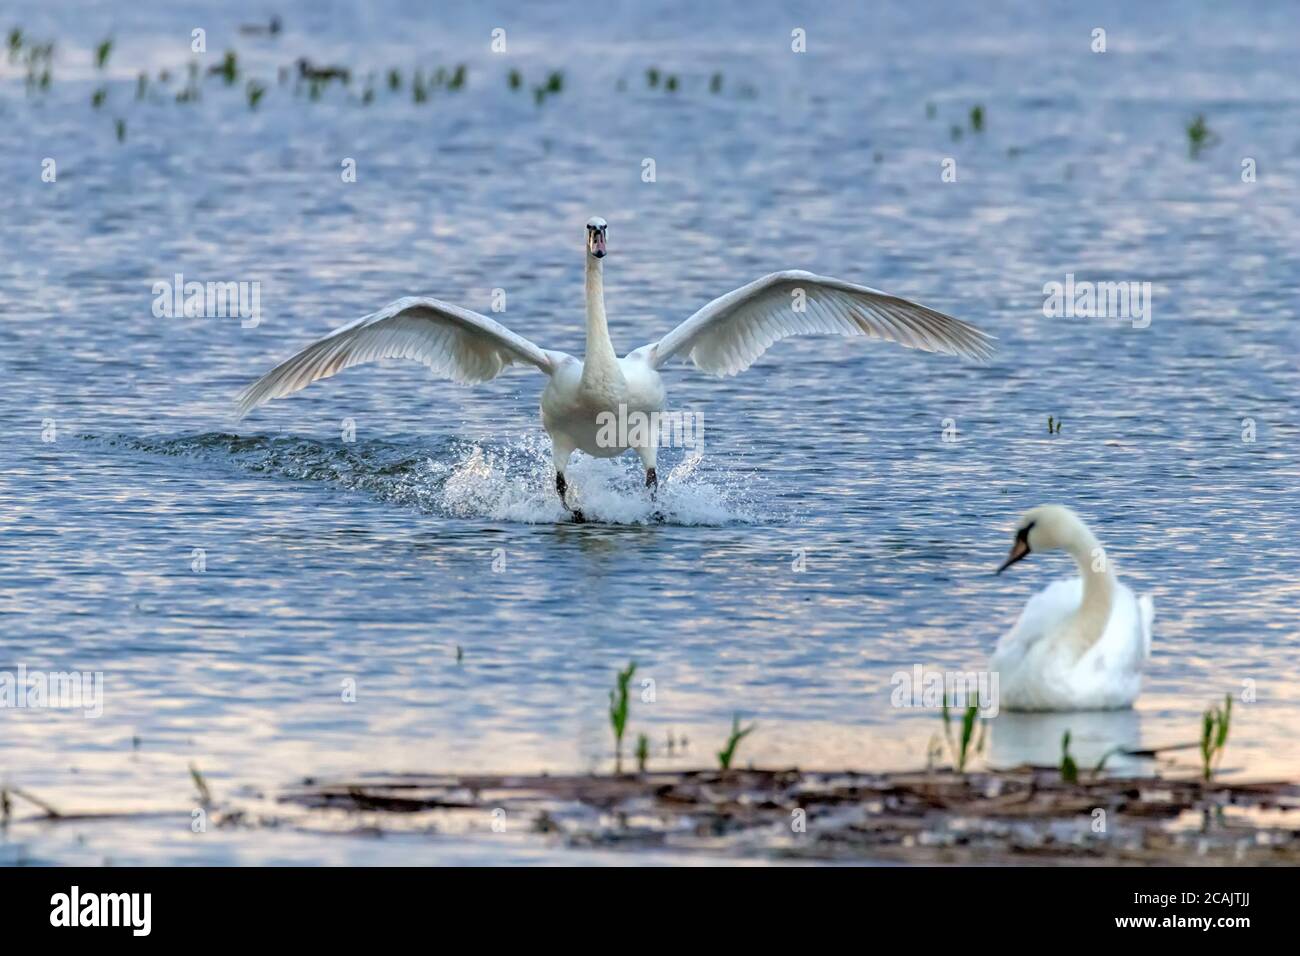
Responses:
[456,343]
[731,332]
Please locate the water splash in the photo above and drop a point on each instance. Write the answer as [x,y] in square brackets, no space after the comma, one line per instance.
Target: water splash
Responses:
[510,481]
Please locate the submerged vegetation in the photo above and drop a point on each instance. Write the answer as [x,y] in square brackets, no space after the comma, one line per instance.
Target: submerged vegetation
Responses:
[1199,135]
[314,79]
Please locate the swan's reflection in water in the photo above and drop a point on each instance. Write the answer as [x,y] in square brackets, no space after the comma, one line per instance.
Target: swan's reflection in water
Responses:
[1035,738]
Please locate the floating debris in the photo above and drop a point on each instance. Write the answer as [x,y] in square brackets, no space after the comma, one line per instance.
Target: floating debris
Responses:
[323,74]
[1024,815]
[262,29]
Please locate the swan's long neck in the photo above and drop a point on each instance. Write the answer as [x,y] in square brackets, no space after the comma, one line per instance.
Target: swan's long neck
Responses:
[600,361]
[1098,588]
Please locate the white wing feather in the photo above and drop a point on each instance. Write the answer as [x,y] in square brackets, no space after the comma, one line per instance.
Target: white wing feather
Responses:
[455,343]
[729,334]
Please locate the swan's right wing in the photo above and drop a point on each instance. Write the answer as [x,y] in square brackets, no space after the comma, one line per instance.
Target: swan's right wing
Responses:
[731,332]
[455,343]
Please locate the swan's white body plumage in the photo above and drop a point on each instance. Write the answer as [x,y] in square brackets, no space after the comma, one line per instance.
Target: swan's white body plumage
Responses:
[724,338]
[1081,643]
[1039,671]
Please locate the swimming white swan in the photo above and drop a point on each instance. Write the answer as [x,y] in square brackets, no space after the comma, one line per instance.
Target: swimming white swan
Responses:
[584,396]
[1079,644]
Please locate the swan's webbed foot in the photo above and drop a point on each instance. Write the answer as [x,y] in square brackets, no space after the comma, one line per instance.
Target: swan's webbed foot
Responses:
[561,486]
[652,482]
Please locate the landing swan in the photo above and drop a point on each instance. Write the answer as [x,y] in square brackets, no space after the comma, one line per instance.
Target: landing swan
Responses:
[724,337]
[1079,644]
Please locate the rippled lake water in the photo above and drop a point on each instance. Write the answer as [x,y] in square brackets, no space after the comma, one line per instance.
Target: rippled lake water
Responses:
[426,561]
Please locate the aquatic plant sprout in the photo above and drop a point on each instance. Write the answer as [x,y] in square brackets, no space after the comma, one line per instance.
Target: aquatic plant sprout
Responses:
[618,708]
[1069,769]
[727,753]
[1214,736]
[961,749]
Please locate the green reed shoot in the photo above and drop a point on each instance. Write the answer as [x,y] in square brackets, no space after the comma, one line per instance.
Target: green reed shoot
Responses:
[738,734]
[205,795]
[1199,135]
[1069,769]
[618,706]
[1214,736]
[255,91]
[642,752]
[961,748]
[977,118]
[101,54]
[229,68]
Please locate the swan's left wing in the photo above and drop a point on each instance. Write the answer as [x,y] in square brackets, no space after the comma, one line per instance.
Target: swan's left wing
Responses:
[455,343]
[729,334]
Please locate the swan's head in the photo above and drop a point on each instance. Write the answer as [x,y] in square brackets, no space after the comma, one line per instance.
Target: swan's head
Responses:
[1045,528]
[596,237]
